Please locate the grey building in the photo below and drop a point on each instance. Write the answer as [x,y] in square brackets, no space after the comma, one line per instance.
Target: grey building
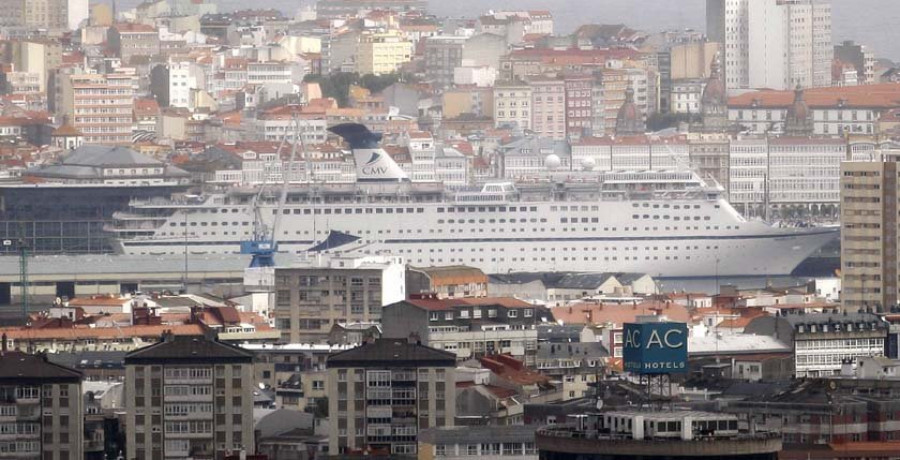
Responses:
[822,342]
[189,396]
[459,442]
[42,411]
[382,394]
[469,327]
[312,297]
[443,53]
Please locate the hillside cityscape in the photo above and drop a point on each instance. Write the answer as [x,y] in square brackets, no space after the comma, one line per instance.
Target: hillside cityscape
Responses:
[361,229]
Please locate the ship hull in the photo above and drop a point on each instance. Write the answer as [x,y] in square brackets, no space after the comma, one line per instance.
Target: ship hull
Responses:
[667,256]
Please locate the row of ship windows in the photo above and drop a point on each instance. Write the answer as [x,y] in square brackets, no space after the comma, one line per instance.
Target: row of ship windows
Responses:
[474,230]
[656,217]
[450,209]
[553,259]
[564,249]
[665,206]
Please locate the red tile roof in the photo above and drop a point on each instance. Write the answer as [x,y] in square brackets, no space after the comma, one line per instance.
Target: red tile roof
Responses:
[134,27]
[618,314]
[146,107]
[882,96]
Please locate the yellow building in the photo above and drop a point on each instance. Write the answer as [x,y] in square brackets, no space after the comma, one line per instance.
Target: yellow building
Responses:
[381,53]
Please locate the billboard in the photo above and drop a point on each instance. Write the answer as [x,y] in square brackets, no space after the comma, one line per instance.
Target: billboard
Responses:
[655,348]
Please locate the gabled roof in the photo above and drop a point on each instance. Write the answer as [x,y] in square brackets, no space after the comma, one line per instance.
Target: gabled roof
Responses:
[392,353]
[189,349]
[16,366]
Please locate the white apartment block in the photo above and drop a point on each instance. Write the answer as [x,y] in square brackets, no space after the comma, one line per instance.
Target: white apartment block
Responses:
[786,172]
[182,79]
[635,153]
[775,44]
[451,168]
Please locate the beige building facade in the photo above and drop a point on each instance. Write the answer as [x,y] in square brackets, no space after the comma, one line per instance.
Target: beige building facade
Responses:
[869,234]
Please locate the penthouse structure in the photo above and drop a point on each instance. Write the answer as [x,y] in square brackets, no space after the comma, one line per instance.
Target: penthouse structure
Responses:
[468,327]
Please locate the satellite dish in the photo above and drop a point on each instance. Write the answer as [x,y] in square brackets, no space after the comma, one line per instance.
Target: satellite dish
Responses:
[599,404]
[262,386]
[552,162]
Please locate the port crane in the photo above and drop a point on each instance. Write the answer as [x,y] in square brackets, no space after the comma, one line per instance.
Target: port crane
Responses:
[264,242]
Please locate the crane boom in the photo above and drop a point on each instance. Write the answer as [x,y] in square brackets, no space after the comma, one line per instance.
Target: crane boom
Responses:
[264,243]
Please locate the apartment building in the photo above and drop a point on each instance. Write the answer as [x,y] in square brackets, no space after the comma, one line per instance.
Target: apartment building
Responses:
[548,107]
[860,57]
[630,153]
[773,43]
[311,298]
[869,265]
[823,342]
[100,106]
[579,105]
[189,396]
[609,93]
[130,39]
[447,281]
[422,152]
[381,394]
[791,174]
[512,105]
[469,327]
[41,408]
[443,53]
[381,53]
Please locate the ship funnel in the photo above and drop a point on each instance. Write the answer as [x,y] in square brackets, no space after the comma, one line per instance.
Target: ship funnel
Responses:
[373,164]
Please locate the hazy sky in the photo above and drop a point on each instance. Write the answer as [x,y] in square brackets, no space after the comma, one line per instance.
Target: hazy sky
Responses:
[870,22]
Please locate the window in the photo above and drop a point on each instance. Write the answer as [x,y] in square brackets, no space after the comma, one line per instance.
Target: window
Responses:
[529,313]
[434,316]
[512,313]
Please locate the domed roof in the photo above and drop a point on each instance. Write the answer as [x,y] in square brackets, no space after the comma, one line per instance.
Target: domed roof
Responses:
[714,92]
[799,110]
[798,121]
[629,119]
[629,110]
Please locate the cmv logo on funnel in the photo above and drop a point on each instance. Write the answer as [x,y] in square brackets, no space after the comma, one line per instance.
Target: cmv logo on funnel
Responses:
[372,167]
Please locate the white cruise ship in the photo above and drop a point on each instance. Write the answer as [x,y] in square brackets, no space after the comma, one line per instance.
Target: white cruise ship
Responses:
[663,223]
